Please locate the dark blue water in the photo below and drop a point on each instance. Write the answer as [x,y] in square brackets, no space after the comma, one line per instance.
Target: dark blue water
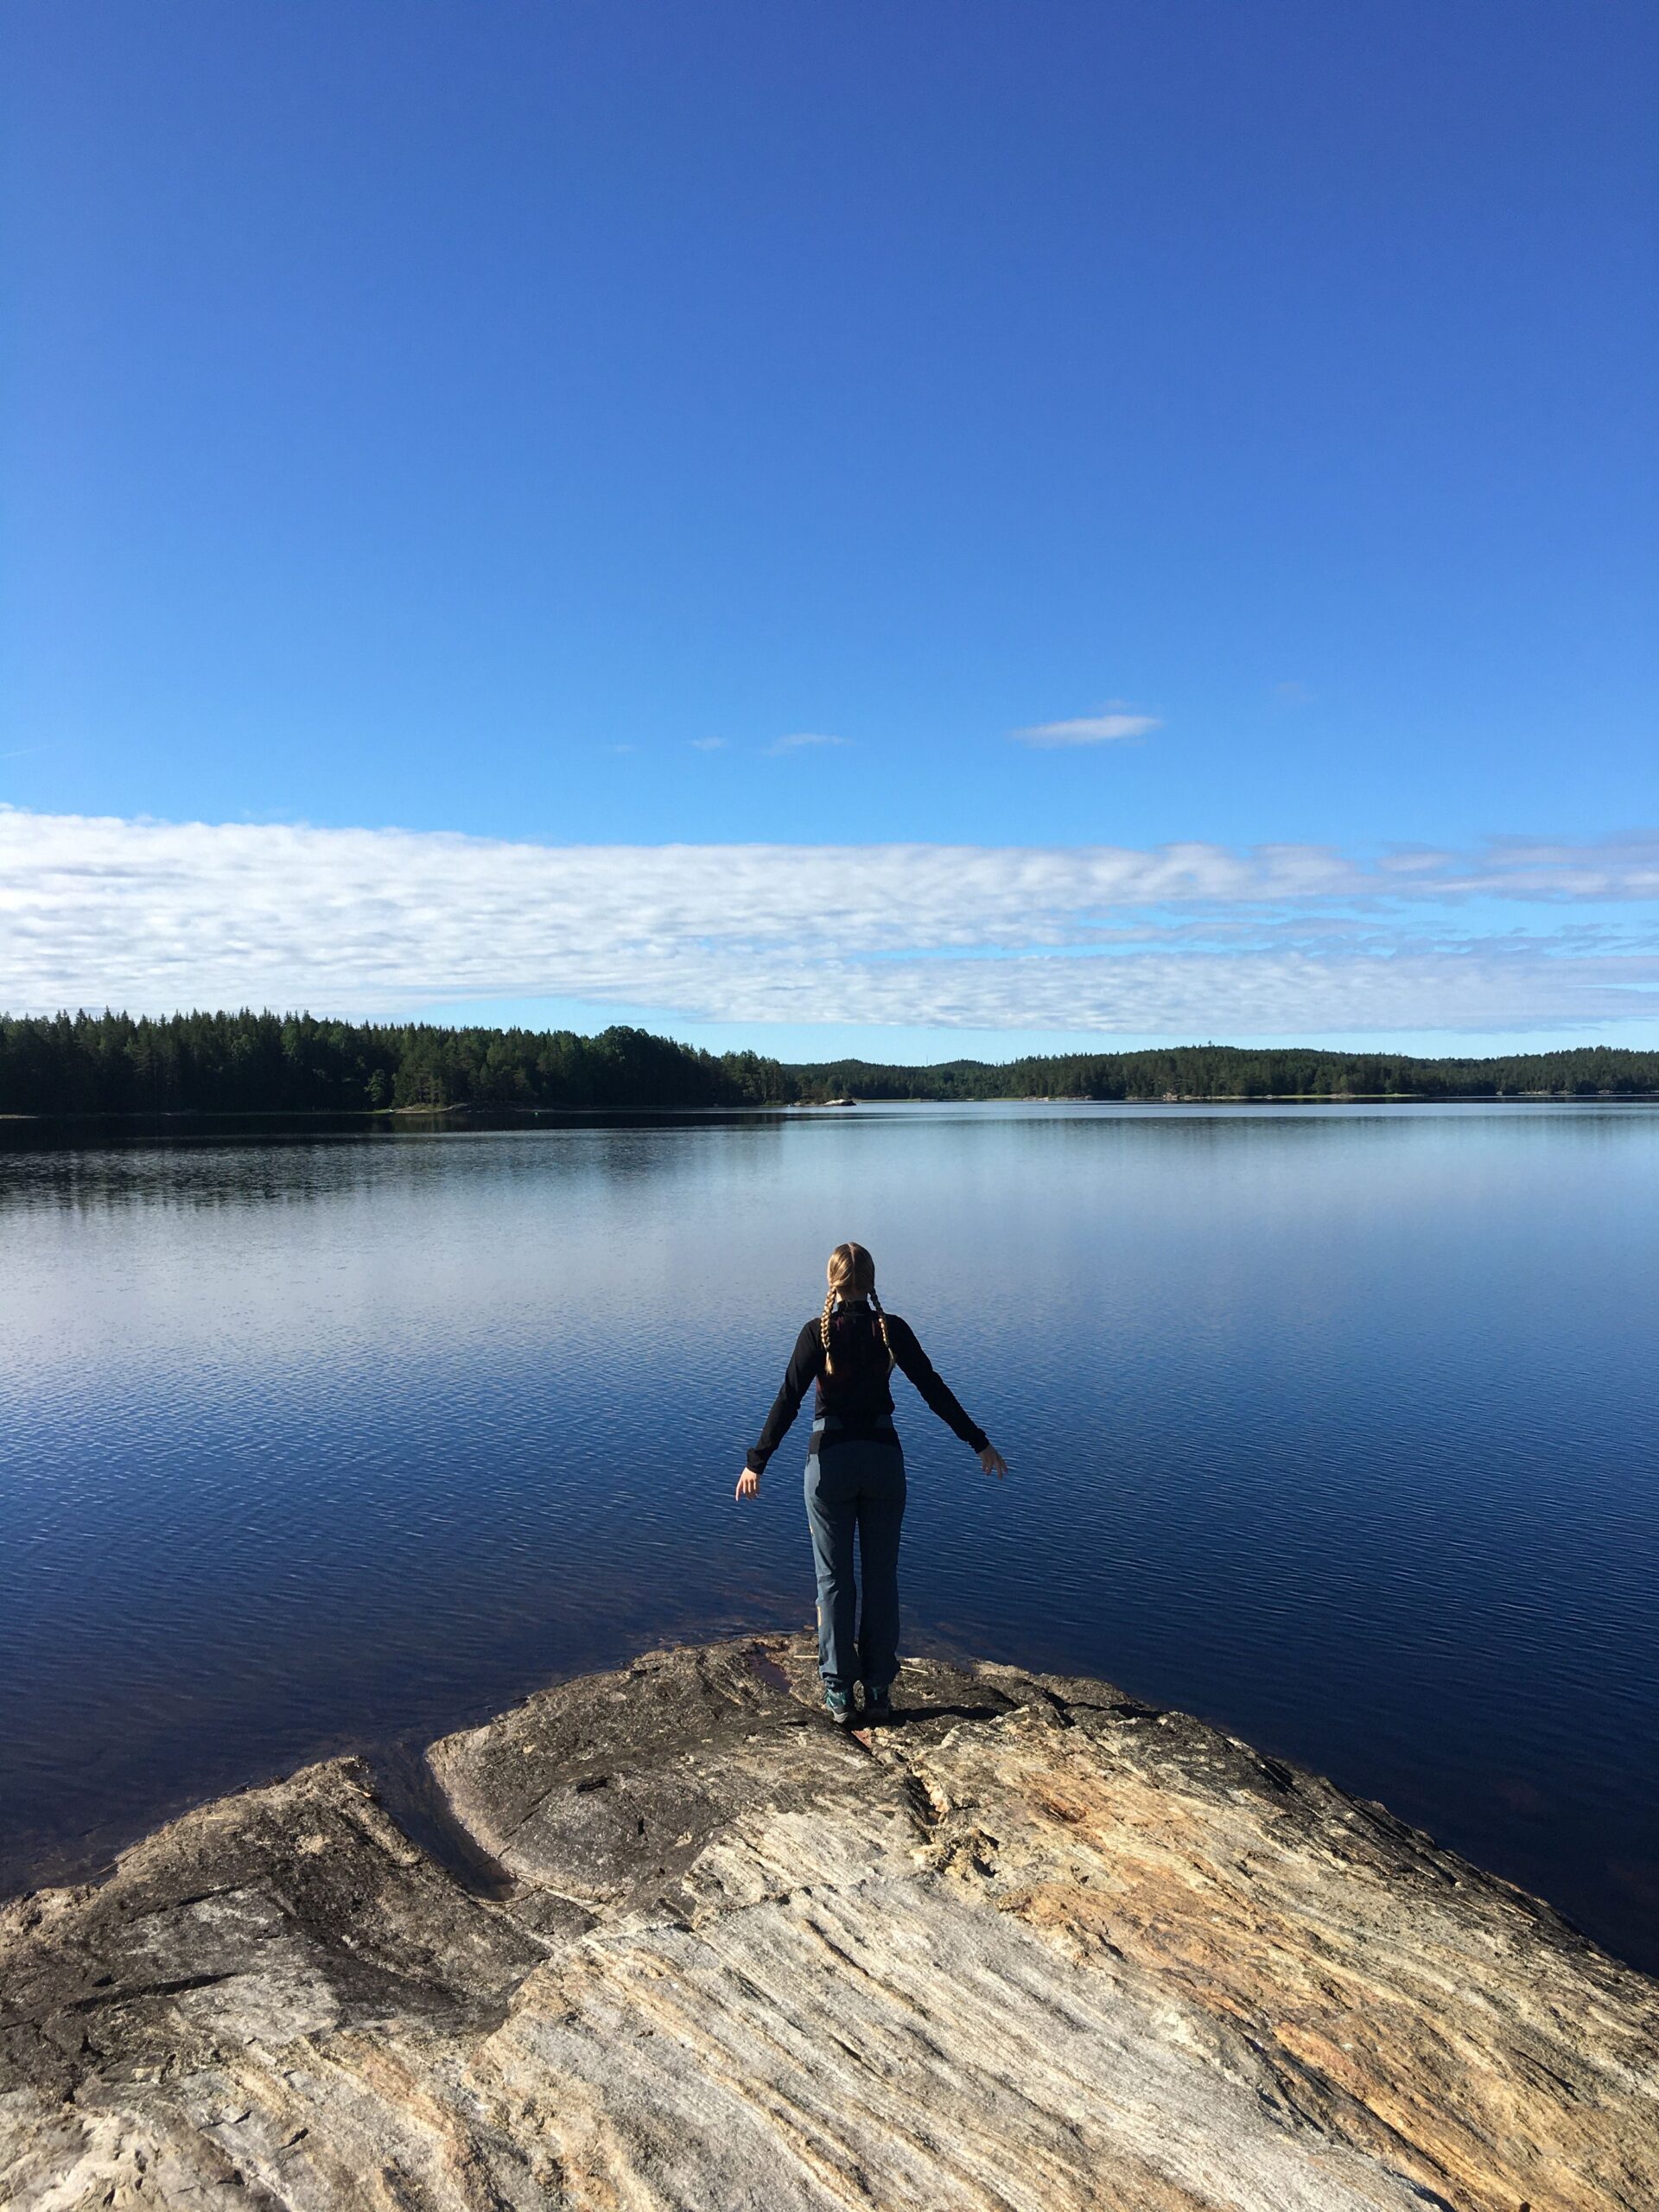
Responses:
[1338,1426]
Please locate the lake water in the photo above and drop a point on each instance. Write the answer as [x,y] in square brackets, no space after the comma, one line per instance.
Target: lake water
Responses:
[1338,1426]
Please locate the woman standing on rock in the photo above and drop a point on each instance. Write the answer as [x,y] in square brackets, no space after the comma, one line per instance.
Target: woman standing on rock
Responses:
[855,1472]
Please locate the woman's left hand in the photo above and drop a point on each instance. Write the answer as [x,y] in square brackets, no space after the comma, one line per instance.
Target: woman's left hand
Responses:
[748,1484]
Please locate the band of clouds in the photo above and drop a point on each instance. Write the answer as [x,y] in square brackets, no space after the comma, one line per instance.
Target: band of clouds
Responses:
[1182,938]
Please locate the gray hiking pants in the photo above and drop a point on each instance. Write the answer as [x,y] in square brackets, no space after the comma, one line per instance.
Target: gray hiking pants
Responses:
[856,1484]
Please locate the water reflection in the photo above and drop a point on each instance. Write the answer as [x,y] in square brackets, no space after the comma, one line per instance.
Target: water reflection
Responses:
[1336,1425]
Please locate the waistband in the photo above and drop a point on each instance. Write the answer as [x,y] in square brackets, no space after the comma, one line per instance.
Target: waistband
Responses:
[832,1426]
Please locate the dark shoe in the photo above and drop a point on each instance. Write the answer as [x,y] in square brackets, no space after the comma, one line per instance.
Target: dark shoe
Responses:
[839,1707]
[878,1708]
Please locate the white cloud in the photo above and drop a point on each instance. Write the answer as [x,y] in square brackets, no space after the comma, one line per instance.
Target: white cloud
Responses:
[1088,729]
[799,739]
[707,744]
[1186,939]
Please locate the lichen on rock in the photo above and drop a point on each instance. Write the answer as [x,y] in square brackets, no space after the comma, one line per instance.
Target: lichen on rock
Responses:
[1037,1946]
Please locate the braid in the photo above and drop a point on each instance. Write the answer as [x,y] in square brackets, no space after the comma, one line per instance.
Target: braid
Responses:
[882,1323]
[823,1330]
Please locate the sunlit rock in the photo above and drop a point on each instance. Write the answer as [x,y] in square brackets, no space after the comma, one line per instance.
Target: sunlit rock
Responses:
[668,1939]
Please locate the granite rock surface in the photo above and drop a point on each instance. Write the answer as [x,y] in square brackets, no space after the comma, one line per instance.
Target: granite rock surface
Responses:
[668,1940]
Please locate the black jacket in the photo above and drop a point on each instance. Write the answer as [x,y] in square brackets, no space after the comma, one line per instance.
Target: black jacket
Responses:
[856,1390]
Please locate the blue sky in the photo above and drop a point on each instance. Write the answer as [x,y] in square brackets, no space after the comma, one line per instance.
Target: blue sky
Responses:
[516,422]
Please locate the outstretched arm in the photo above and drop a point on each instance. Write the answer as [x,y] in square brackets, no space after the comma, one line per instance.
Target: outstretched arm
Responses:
[915,1363]
[803,1366]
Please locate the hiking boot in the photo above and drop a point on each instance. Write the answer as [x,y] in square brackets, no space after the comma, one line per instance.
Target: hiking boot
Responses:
[839,1707]
[878,1708]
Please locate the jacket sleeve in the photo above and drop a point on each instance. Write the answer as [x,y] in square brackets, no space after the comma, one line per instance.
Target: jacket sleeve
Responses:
[915,1363]
[803,1366]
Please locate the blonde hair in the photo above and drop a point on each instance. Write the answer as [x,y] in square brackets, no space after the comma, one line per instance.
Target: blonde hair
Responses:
[850,1268]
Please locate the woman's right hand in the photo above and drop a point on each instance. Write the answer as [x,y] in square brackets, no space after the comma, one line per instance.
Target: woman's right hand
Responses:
[993,1462]
[748,1483]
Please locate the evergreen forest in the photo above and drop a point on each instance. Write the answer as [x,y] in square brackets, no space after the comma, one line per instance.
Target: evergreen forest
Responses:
[248,1063]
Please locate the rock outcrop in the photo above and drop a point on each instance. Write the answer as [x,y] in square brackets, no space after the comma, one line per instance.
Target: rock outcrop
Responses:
[666,1939]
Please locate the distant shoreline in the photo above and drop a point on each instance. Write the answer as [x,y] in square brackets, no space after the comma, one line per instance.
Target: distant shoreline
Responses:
[113,1065]
[464,1110]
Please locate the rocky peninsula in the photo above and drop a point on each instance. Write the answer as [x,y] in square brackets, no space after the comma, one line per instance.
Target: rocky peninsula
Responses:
[665,1939]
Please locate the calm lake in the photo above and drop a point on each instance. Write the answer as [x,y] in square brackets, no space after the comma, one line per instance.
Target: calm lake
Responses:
[1338,1426]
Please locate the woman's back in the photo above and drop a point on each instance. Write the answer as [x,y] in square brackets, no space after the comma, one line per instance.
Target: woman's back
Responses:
[853,1379]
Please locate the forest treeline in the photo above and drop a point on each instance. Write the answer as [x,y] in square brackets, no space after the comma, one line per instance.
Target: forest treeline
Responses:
[282,1063]
[1243,1072]
[268,1062]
